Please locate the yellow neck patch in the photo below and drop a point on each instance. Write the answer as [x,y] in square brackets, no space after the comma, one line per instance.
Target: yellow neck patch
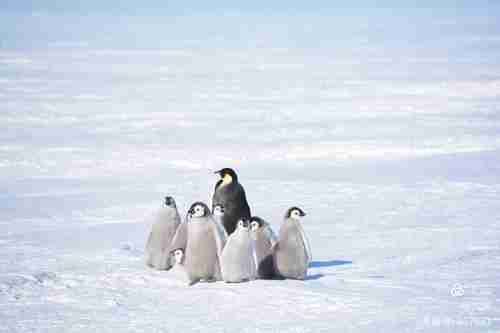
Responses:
[226,180]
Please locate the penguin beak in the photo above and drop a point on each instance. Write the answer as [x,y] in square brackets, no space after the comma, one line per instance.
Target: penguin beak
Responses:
[218,172]
[303,214]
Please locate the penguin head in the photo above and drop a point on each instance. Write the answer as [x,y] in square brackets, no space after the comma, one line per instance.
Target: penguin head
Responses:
[294,213]
[169,201]
[179,256]
[243,225]
[227,175]
[256,223]
[218,210]
[198,209]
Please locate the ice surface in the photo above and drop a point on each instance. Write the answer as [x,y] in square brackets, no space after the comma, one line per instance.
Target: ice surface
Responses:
[387,134]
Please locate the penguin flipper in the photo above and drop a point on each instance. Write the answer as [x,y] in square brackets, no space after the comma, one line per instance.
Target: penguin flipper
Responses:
[221,230]
[180,238]
[271,235]
[193,281]
[148,242]
[148,257]
[245,208]
[220,238]
[254,261]
[305,241]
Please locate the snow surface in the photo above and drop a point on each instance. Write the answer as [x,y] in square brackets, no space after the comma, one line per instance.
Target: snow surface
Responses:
[388,136]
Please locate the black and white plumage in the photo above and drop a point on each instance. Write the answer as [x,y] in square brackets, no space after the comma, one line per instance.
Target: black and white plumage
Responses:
[230,194]
[165,224]
[264,241]
[292,252]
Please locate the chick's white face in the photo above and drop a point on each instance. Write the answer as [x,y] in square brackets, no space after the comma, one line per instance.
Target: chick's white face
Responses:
[198,211]
[243,225]
[218,210]
[295,214]
[254,226]
[178,255]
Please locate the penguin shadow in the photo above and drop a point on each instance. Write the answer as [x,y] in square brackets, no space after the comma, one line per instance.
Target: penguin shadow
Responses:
[329,263]
[325,263]
[314,277]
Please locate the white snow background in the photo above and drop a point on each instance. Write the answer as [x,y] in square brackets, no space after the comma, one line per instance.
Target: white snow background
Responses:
[384,129]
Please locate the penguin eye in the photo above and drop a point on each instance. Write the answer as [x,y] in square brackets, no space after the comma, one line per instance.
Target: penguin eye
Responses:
[254,225]
[241,224]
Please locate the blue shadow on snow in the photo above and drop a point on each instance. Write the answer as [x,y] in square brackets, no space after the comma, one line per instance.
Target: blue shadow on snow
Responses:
[313,277]
[329,263]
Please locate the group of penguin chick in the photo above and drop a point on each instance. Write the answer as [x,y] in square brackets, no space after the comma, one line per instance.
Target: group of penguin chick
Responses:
[227,243]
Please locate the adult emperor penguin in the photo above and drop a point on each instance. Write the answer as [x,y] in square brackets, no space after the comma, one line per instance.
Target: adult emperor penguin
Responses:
[264,241]
[238,257]
[230,194]
[292,252]
[163,230]
[203,244]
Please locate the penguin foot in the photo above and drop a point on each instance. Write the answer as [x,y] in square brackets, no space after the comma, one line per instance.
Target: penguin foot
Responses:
[192,282]
[211,280]
[239,281]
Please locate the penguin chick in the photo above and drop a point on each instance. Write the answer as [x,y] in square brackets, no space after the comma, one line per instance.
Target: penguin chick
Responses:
[203,245]
[165,223]
[238,257]
[264,241]
[292,251]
